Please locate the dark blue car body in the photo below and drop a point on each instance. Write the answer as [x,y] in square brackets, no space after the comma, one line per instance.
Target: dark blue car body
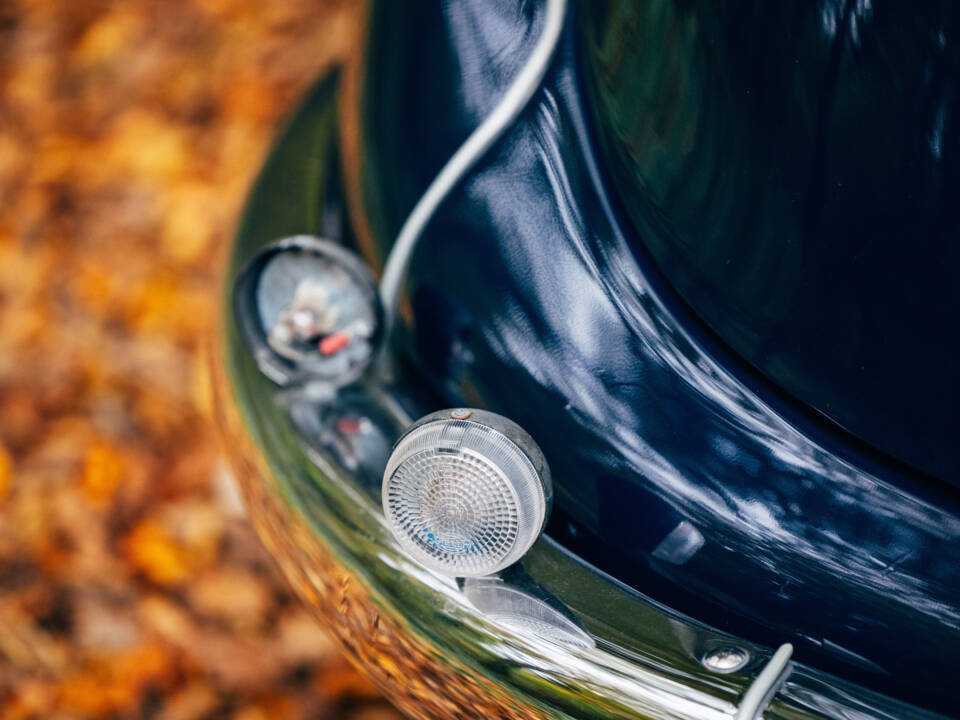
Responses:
[714,271]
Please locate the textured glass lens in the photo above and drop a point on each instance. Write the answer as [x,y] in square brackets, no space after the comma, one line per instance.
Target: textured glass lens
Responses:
[462,498]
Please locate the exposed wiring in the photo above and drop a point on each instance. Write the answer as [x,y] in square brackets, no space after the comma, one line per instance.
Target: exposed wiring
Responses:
[487,133]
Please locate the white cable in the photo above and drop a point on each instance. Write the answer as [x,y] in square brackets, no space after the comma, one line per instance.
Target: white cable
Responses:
[765,684]
[487,133]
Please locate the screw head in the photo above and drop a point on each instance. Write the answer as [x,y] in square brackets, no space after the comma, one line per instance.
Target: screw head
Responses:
[725,659]
[461,413]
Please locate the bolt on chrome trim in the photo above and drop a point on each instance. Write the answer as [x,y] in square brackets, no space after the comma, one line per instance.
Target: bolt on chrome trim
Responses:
[726,659]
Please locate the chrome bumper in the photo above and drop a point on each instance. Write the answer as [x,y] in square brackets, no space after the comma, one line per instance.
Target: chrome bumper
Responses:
[553,637]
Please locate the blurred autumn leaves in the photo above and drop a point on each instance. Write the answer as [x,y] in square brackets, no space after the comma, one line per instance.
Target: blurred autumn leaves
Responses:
[129,585]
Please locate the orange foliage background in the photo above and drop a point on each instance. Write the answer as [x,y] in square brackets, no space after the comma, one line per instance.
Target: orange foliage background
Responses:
[130,585]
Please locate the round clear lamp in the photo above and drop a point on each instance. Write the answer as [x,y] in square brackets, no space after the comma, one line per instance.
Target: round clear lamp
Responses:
[466,492]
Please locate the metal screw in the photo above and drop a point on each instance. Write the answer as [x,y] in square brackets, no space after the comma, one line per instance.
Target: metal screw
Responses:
[461,413]
[725,659]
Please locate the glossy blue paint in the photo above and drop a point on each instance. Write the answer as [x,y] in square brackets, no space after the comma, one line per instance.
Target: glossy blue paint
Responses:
[793,169]
[530,296]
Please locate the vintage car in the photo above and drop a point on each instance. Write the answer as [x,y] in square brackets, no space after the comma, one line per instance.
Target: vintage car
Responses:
[600,359]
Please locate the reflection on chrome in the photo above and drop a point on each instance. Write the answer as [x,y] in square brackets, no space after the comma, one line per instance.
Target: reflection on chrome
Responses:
[309,312]
[351,428]
[522,613]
